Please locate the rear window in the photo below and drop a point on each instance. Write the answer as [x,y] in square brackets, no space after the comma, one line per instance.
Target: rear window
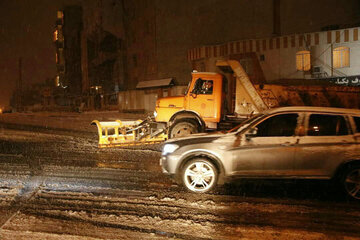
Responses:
[327,125]
[357,123]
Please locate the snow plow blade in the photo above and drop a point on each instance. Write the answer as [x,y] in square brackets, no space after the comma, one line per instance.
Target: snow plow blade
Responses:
[129,133]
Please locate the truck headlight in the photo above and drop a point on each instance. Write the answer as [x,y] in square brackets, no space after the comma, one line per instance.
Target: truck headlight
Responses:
[155,114]
[169,148]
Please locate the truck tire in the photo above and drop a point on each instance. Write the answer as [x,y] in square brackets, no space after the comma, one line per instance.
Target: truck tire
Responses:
[183,127]
[199,175]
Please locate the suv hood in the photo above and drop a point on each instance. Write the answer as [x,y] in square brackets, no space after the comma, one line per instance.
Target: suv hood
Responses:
[201,138]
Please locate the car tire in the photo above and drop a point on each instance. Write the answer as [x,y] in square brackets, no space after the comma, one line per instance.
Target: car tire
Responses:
[183,127]
[199,175]
[351,182]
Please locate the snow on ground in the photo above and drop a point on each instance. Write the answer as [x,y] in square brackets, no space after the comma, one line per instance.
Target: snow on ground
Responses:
[26,136]
[26,235]
[7,195]
[11,185]
[76,191]
[140,215]
[67,120]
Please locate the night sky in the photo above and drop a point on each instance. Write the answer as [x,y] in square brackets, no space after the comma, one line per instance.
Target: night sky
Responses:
[26,28]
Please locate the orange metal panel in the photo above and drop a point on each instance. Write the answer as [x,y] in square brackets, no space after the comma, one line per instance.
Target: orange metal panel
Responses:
[208,106]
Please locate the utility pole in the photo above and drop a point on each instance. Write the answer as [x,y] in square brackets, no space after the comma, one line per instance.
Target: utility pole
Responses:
[276,18]
[19,91]
[332,59]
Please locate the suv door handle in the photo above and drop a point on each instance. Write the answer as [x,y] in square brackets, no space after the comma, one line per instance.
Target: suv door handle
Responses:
[210,99]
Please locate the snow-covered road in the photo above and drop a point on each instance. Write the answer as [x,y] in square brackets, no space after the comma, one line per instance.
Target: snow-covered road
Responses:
[61,186]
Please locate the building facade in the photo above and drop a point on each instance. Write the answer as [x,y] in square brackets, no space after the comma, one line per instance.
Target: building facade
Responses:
[103,40]
[67,38]
[130,41]
[307,56]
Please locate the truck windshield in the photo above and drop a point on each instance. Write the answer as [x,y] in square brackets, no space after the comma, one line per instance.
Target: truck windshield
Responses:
[187,89]
[246,123]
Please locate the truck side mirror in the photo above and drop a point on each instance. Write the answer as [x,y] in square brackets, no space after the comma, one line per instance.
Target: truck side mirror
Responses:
[252,132]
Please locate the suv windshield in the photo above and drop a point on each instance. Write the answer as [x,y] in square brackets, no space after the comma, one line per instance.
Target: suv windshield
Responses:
[246,123]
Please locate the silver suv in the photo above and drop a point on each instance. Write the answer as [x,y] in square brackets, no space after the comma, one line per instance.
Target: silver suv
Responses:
[288,142]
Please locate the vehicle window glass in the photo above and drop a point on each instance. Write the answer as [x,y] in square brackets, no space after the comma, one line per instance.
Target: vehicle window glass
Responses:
[187,88]
[246,122]
[357,123]
[279,125]
[327,125]
[203,86]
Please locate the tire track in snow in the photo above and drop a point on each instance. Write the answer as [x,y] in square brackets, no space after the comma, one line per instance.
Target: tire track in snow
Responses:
[29,191]
[271,215]
[117,226]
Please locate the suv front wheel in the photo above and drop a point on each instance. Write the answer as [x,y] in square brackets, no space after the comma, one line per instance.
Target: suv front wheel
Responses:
[199,175]
[351,182]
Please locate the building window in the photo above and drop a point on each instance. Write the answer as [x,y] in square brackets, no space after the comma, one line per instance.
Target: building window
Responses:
[57,81]
[303,60]
[56,37]
[341,57]
[60,14]
[60,18]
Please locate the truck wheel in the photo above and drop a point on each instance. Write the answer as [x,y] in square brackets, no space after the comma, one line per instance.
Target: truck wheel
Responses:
[351,182]
[183,127]
[199,175]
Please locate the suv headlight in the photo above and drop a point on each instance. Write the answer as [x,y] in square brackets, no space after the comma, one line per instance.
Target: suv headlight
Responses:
[155,114]
[169,148]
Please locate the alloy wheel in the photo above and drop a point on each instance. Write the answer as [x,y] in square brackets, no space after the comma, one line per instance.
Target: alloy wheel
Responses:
[200,176]
[352,183]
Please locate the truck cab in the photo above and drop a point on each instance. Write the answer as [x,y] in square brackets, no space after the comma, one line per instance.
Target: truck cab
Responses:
[199,108]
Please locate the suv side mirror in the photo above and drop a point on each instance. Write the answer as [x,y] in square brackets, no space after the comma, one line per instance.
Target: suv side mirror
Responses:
[251,133]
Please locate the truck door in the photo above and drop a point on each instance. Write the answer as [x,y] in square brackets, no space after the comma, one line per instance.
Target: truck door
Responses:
[202,98]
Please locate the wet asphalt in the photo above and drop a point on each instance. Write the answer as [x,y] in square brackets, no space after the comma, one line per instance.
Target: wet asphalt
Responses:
[58,183]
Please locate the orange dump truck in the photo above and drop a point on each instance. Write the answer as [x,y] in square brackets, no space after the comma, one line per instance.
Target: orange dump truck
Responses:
[205,106]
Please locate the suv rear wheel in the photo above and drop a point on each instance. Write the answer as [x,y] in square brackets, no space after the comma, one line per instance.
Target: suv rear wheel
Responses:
[199,175]
[351,182]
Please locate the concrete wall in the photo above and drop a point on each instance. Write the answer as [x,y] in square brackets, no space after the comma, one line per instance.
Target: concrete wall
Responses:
[144,100]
